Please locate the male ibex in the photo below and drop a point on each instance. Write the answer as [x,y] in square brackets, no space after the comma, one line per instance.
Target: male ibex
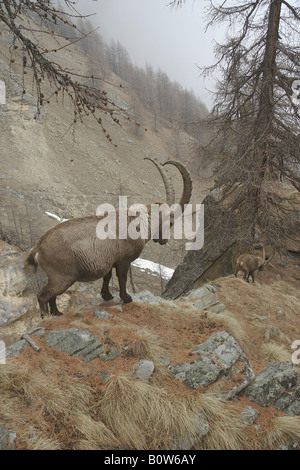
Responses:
[71,251]
[250,263]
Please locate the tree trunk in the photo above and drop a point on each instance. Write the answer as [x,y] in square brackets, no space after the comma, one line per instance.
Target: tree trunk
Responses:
[266,103]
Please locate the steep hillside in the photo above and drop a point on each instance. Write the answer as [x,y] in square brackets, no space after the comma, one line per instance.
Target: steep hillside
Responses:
[49,165]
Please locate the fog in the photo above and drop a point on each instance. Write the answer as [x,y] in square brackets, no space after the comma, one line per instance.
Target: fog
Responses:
[153,33]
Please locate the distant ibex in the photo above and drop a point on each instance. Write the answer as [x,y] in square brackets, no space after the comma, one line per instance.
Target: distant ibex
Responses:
[250,263]
[71,251]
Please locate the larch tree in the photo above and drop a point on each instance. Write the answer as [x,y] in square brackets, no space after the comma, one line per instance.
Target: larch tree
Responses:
[31,21]
[255,120]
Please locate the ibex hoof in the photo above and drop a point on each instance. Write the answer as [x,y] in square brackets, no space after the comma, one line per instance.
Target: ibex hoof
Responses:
[107,296]
[127,300]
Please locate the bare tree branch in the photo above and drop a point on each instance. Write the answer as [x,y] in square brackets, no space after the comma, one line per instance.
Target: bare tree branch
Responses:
[21,19]
[292,9]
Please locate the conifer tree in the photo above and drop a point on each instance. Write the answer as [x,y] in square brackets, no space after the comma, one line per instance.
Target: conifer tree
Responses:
[256,118]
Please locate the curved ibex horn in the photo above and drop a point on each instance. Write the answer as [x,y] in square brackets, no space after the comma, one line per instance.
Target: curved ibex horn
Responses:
[170,193]
[187,181]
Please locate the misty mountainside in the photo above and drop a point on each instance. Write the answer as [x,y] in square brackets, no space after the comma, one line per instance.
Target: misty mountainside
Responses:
[51,165]
[215,368]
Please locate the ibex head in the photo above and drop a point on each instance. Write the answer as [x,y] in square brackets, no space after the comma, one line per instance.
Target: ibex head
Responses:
[167,213]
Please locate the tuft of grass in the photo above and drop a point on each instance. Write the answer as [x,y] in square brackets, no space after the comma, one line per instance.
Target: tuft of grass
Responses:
[275,352]
[282,428]
[144,416]
[226,429]
[33,400]
[177,310]
[233,326]
[146,345]
[36,441]
[94,435]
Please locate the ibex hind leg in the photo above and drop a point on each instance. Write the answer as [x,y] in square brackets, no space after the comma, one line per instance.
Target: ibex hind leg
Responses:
[53,307]
[48,295]
[43,303]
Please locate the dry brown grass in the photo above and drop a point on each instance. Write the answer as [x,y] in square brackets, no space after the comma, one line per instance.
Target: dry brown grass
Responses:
[36,441]
[33,401]
[282,428]
[145,344]
[275,352]
[232,324]
[248,303]
[176,312]
[95,435]
[145,416]
[226,430]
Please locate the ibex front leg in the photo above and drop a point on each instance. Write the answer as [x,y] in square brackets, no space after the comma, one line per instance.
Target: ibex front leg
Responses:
[122,271]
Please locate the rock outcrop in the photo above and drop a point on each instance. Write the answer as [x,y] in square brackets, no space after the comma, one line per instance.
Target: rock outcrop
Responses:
[219,356]
[277,385]
[18,306]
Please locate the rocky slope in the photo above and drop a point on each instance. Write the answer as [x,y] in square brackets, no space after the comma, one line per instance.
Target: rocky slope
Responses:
[48,165]
[212,370]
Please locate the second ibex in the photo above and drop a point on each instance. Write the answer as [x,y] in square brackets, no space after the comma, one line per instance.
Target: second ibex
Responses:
[248,264]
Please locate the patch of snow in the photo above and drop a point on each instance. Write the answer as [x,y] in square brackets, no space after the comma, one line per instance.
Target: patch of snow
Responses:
[155,269]
[56,217]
